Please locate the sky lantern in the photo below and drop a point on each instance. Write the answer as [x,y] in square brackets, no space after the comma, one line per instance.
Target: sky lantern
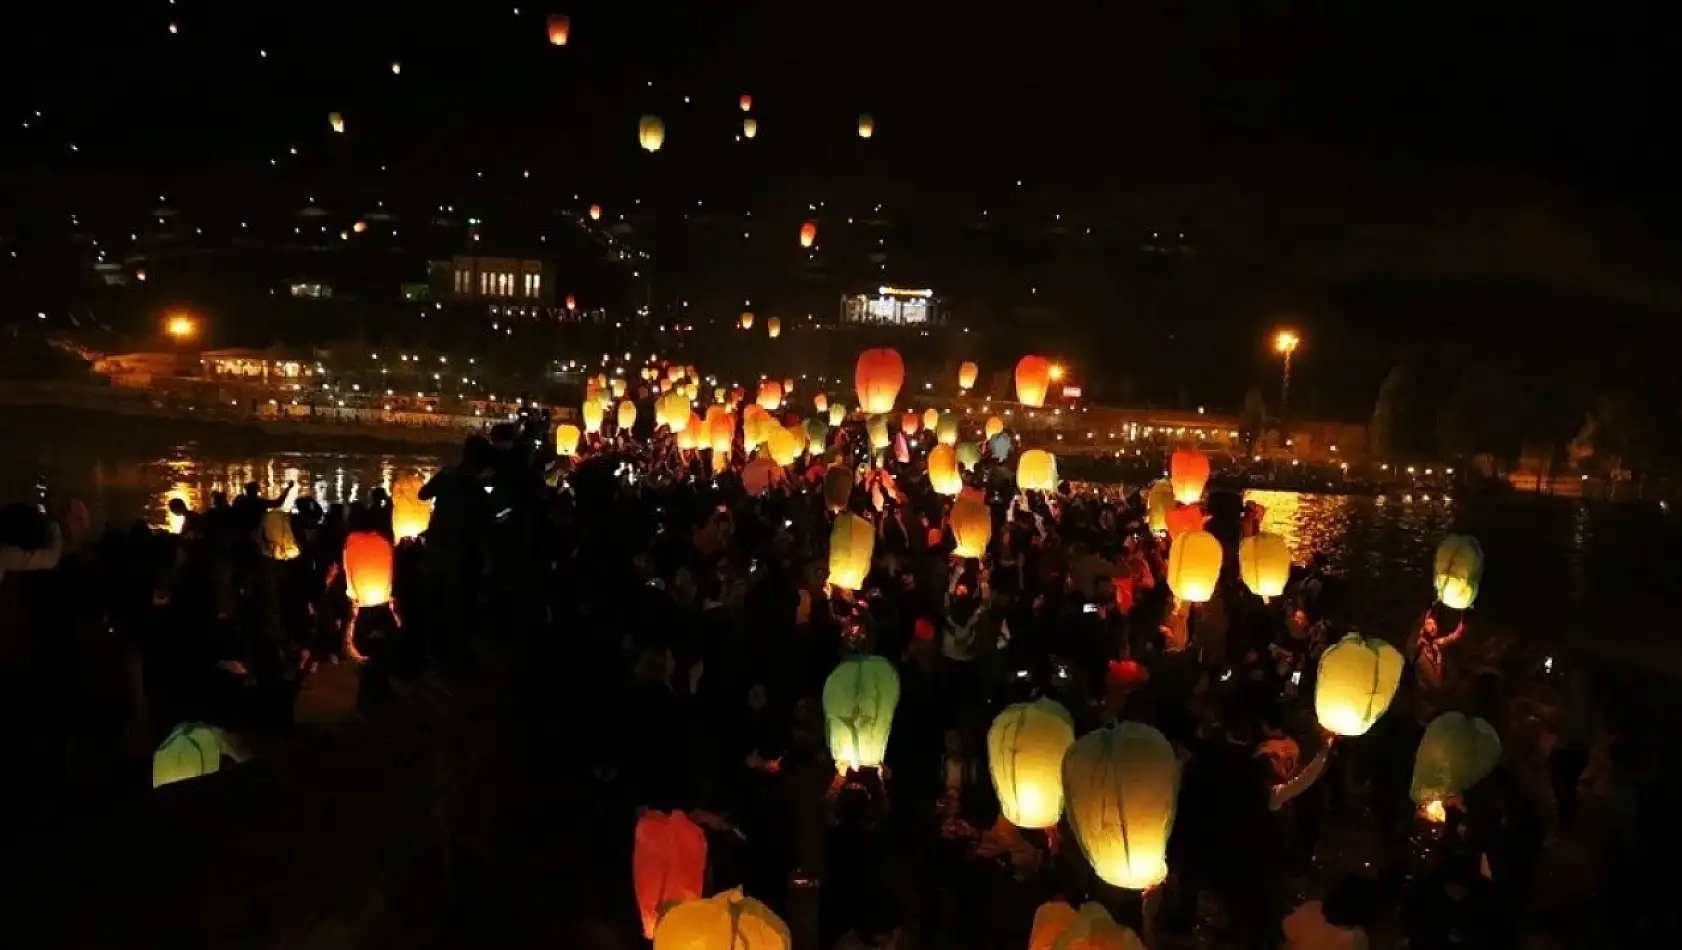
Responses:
[1456,752]
[878,377]
[674,372]
[1159,502]
[595,212]
[820,403]
[755,425]
[1194,566]
[867,126]
[770,395]
[750,127]
[560,28]
[784,445]
[759,475]
[773,328]
[336,121]
[721,433]
[877,428]
[967,372]
[837,413]
[1264,563]
[817,435]
[946,430]
[727,921]
[745,103]
[677,411]
[858,706]
[808,234]
[572,302]
[566,439]
[668,863]
[1184,518]
[1188,472]
[651,133]
[1057,926]
[1357,679]
[409,515]
[972,526]
[902,452]
[368,566]
[689,437]
[788,385]
[746,322]
[617,387]
[1025,747]
[994,426]
[1121,782]
[943,471]
[851,543]
[191,750]
[360,227]
[931,418]
[591,413]
[837,487]
[969,455]
[1033,380]
[1459,571]
[1036,470]
[627,415]
[910,423]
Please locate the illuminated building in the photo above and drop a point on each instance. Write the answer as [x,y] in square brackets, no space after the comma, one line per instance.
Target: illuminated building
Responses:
[493,278]
[891,306]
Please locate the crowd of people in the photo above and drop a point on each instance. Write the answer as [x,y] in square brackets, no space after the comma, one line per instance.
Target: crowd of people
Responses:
[689,623]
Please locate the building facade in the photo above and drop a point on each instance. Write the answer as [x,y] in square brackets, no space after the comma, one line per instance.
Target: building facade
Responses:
[891,306]
[501,279]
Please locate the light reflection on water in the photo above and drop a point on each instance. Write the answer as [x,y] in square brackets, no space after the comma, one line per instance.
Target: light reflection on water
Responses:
[145,489]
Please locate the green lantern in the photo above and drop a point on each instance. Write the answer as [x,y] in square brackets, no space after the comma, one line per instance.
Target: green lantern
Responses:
[1456,752]
[190,750]
[858,710]
[969,455]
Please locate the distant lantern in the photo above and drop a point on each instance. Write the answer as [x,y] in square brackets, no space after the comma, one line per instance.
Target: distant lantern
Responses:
[746,322]
[1033,379]
[368,566]
[878,376]
[1456,752]
[396,68]
[770,395]
[773,328]
[911,423]
[651,133]
[1121,783]
[967,372]
[859,698]
[1025,748]
[668,863]
[572,302]
[566,439]
[851,543]
[1264,564]
[592,412]
[1188,470]
[409,515]
[943,471]
[837,487]
[337,121]
[1036,470]
[750,127]
[808,234]
[820,403]
[745,103]
[1459,571]
[877,428]
[837,413]
[972,526]
[1194,565]
[1057,926]
[946,430]
[359,227]
[1159,503]
[931,418]
[994,426]
[560,27]
[760,474]
[627,415]
[867,126]
[1357,678]
[617,387]
[726,921]
[788,385]
[595,212]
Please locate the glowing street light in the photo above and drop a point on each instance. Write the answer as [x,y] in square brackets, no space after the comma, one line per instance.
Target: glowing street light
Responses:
[181,327]
[1056,372]
[1285,343]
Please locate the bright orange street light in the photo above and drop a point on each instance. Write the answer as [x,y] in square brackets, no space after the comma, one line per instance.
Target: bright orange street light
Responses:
[181,326]
[1285,343]
[1056,372]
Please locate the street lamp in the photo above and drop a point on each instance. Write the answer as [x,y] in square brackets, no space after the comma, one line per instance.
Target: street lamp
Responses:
[181,327]
[1285,343]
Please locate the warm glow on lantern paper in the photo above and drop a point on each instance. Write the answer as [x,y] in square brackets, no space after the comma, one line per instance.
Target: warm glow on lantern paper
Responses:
[808,234]
[946,430]
[773,328]
[668,863]
[1025,747]
[566,439]
[867,126]
[1188,473]
[877,428]
[592,412]
[967,372]
[1357,679]
[560,28]
[994,426]
[852,541]
[910,423]
[878,377]
[279,544]
[785,446]
[1036,470]
[1033,378]
[1057,926]
[409,515]
[368,566]
[747,320]
[943,471]
[837,413]
[1121,783]
[1264,564]
[1185,518]
[837,487]
[969,455]
[1459,571]
[627,414]
[727,921]
[651,133]
[1194,566]
[1456,752]
[770,395]
[858,709]
[972,526]
[1158,504]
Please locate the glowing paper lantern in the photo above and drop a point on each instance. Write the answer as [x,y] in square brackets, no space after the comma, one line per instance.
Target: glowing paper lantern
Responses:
[368,567]
[943,471]
[1188,472]
[1121,783]
[858,709]
[337,121]
[1264,563]
[1459,571]
[668,863]
[617,387]
[627,415]
[191,749]
[677,410]
[1033,379]
[278,541]
[770,395]
[852,541]
[773,328]
[747,320]
[994,427]
[591,413]
[759,475]
[1036,470]
[877,377]
[1057,926]
[1356,681]
[972,526]
[785,446]
[820,402]
[572,302]
[651,133]
[867,126]
[595,212]
[1456,752]
[931,418]
[1185,518]
[721,433]
[745,103]
[969,455]
[1025,748]
[788,385]
[1194,566]
[808,234]
[946,430]
[837,487]
[877,428]
[1158,504]
[967,372]
[910,423]
[560,27]
[409,515]
[727,921]
[817,433]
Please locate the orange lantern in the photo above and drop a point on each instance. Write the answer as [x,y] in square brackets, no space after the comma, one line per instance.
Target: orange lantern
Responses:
[1188,471]
[746,103]
[994,426]
[627,415]
[943,471]
[972,526]
[560,27]
[368,567]
[910,423]
[746,322]
[572,302]
[820,402]
[770,395]
[1036,470]
[689,437]
[967,372]
[409,515]
[808,234]
[595,212]
[1194,566]
[774,328]
[867,126]
[1033,379]
[878,377]
[1178,521]
[668,864]
[721,433]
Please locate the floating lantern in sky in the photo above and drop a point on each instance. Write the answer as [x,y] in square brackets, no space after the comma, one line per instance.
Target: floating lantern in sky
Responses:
[837,413]
[592,413]
[785,446]
[560,29]
[946,430]
[967,372]
[994,426]
[746,322]
[931,418]
[1264,564]
[750,127]
[745,103]
[878,377]
[837,487]
[651,133]
[1036,470]
[943,471]
[910,423]
[867,126]
[1033,379]
[337,121]
[595,212]
[1158,504]
[773,328]
[668,863]
[851,541]
[627,414]
[1025,748]
[820,403]
[972,526]
[572,302]
[1459,571]
[1194,566]
[808,234]
[1356,679]
[858,703]
[1188,470]
[396,68]
[770,395]
[1121,783]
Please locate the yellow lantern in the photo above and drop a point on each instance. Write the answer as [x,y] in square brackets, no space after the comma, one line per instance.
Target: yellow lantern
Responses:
[910,423]
[409,515]
[867,126]
[931,418]
[1459,571]
[1033,379]
[1194,566]
[595,212]
[1264,563]
[337,121]
[1121,783]
[969,455]
[946,432]
[1158,504]
[747,320]
[1036,470]
[852,541]
[773,328]
[279,544]
[784,445]
[1188,472]
[727,921]
[591,412]
[651,133]
[1456,752]
[967,372]
[617,387]
[820,403]
[943,471]
[1057,926]
[770,395]
[750,127]
[858,709]
[677,410]
[877,428]
[878,376]
[627,415]
[994,426]
[689,437]
[560,27]
[837,487]
[837,414]
[1025,748]
[1357,679]
[972,526]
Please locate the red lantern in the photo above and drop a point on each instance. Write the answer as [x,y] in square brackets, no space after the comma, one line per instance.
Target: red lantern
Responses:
[808,234]
[560,27]
[1033,379]
[572,302]
[1185,518]
[1188,472]
[746,102]
[368,567]
[668,865]
[878,377]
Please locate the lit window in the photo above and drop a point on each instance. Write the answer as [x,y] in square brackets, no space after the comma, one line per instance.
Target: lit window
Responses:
[536,284]
[484,284]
